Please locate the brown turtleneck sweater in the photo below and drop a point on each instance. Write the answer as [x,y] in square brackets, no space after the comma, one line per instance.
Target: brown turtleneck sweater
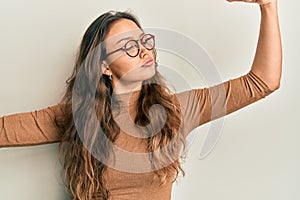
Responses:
[198,107]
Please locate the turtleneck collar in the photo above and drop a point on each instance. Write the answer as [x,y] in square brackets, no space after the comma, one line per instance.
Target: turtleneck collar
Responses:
[126,99]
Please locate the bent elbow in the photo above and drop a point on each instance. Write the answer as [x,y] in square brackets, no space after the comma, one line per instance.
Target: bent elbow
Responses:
[274,86]
[272,80]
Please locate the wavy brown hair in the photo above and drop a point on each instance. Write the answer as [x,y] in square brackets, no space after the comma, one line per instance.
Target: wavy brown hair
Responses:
[82,172]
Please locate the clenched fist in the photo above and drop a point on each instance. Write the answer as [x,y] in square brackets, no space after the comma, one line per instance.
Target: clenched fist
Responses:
[260,2]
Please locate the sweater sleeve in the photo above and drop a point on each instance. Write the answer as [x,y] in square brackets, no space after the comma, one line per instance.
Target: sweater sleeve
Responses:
[31,128]
[200,106]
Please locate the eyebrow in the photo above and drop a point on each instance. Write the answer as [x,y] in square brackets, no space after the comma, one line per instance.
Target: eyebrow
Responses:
[127,38]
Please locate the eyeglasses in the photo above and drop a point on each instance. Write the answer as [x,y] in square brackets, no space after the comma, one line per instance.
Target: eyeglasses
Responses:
[132,47]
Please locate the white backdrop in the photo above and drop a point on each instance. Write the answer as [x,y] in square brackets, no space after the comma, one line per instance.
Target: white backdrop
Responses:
[258,155]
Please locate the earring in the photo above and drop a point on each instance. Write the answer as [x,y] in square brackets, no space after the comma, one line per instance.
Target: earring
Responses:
[110,77]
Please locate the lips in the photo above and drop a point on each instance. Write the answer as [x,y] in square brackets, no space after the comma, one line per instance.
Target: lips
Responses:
[148,63]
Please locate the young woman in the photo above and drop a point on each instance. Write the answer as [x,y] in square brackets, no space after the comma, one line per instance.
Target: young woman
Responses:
[118,145]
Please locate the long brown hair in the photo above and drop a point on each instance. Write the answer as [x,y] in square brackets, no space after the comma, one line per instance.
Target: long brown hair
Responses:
[83,173]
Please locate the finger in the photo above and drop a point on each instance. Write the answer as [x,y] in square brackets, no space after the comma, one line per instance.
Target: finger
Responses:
[246,1]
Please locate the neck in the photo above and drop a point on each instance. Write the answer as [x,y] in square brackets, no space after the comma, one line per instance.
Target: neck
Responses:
[126,87]
[128,93]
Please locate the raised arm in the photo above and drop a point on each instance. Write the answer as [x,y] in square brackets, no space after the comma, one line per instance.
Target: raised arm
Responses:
[31,128]
[267,63]
[264,77]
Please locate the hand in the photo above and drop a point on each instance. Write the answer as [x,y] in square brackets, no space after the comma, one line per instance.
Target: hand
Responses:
[260,2]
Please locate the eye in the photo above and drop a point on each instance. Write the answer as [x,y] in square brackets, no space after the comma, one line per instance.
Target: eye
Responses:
[132,48]
[130,45]
[148,41]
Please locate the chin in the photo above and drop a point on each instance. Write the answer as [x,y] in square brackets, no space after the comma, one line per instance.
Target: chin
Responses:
[149,75]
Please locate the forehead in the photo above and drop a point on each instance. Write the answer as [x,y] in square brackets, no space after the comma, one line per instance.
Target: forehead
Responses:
[123,28]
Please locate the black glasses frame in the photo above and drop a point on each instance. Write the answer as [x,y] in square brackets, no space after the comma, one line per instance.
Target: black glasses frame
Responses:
[137,44]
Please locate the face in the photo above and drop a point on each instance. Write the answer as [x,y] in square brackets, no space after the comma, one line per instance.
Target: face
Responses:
[123,68]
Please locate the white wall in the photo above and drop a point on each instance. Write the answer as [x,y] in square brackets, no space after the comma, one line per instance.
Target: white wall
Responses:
[258,155]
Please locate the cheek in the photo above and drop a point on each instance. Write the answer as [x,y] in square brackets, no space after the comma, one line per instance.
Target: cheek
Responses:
[139,74]
[122,66]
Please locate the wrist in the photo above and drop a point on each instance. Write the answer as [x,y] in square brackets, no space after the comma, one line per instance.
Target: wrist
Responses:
[269,6]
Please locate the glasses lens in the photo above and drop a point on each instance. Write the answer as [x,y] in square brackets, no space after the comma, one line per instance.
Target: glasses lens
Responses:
[132,48]
[148,41]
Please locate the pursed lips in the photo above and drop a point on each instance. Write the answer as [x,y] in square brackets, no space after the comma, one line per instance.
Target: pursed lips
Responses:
[148,63]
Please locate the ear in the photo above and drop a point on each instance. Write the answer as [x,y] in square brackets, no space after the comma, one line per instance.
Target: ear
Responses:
[105,68]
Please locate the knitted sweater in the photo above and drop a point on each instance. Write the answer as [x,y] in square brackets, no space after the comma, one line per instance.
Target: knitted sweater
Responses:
[128,181]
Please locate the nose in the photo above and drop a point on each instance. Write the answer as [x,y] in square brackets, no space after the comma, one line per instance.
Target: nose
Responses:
[143,51]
